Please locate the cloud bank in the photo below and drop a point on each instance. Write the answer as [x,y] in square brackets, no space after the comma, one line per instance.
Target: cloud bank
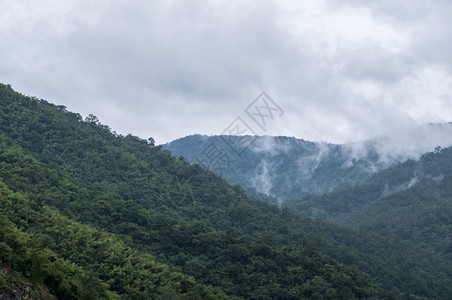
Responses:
[341,70]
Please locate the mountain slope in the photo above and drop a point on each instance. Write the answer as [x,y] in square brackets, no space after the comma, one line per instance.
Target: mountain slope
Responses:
[190,219]
[154,203]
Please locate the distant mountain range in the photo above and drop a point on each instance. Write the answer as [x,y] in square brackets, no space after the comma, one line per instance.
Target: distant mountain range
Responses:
[283,168]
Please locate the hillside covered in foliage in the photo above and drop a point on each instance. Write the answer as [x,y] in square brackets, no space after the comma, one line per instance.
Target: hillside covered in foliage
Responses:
[87,212]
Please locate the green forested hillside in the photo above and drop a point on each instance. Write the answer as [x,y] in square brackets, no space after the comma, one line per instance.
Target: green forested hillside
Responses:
[127,186]
[134,221]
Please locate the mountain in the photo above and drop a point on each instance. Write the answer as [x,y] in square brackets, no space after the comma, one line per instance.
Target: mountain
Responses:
[85,211]
[278,169]
[88,213]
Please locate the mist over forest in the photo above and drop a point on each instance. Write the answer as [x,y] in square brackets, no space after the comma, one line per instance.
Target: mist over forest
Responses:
[285,168]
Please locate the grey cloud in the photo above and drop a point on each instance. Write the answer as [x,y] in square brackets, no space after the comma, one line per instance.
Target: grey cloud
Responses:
[396,10]
[186,50]
[429,22]
[168,69]
[374,63]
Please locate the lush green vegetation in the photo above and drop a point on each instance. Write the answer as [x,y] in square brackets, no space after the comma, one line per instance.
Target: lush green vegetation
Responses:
[134,221]
[76,261]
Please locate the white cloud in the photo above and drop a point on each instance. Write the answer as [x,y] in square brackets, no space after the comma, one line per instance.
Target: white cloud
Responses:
[341,70]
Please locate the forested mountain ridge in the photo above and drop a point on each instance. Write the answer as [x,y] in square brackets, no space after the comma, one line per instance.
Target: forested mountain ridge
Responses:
[179,218]
[286,168]
[128,187]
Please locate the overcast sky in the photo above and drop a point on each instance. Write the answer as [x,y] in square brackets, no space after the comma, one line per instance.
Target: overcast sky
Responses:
[339,70]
